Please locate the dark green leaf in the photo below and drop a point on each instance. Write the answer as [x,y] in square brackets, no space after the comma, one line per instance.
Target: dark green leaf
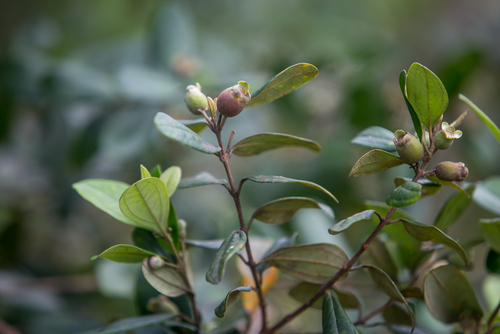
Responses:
[166,280]
[144,172]
[268,141]
[146,240]
[200,179]
[283,83]
[230,297]
[279,243]
[373,162]
[174,130]
[378,255]
[493,262]
[334,319]
[156,171]
[171,177]
[491,232]
[450,296]
[173,227]
[428,187]
[396,315]
[282,210]
[412,292]
[426,94]
[282,179]
[406,194]
[417,124]
[130,324]
[195,125]
[346,223]
[304,291]
[454,185]
[231,245]
[376,137]
[454,208]
[316,263]
[124,253]
[146,203]
[486,120]
[487,195]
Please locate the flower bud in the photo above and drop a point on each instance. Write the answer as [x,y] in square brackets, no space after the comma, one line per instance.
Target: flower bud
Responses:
[232,100]
[156,262]
[195,99]
[451,171]
[444,138]
[181,223]
[408,147]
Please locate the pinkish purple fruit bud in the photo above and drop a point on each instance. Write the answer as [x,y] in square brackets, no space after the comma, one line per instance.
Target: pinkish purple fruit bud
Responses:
[232,100]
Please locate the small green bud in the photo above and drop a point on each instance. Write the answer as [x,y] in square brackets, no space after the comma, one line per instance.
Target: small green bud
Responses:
[195,99]
[451,171]
[445,137]
[232,100]
[181,223]
[156,262]
[408,147]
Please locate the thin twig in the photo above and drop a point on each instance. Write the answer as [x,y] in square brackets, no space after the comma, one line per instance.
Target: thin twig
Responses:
[363,320]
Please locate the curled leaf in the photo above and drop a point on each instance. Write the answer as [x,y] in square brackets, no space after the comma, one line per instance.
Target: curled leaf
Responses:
[346,223]
[406,194]
[230,246]
[230,297]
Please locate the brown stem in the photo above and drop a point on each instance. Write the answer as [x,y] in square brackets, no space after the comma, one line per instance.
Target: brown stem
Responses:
[363,320]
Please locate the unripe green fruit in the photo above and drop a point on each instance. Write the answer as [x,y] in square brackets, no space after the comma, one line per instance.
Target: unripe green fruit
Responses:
[195,99]
[441,142]
[409,148]
[451,171]
[232,100]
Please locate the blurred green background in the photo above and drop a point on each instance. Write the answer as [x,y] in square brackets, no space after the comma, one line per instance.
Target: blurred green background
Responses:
[80,82]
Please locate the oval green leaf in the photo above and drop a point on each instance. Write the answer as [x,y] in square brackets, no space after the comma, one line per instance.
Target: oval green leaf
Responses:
[133,323]
[417,124]
[230,298]
[491,232]
[195,125]
[146,203]
[268,141]
[230,246]
[282,210]
[282,179]
[316,263]
[171,177]
[373,162]
[428,187]
[406,194]
[346,223]
[283,83]
[426,94]
[166,280]
[454,208]
[486,120]
[487,195]
[304,291]
[450,296]
[174,130]
[200,179]
[124,253]
[334,318]
[376,137]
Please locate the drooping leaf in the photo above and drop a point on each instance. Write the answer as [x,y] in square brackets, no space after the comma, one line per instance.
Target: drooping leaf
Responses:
[424,232]
[104,195]
[283,83]
[428,187]
[304,291]
[171,177]
[316,263]
[133,323]
[426,94]
[282,210]
[200,179]
[230,297]
[282,179]
[174,130]
[195,125]
[406,194]
[146,240]
[231,245]
[268,141]
[454,185]
[491,232]
[454,208]
[417,124]
[486,120]
[206,244]
[155,171]
[378,255]
[124,253]
[373,162]
[146,203]
[493,262]
[376,137]
[334,318]
[279,243]
[346,223]
[450,296]
[144,172]
[166,280]
[487,195]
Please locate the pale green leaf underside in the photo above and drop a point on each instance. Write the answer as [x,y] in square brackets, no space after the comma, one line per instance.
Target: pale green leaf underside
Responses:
[200,179]
[487,195]
[231,295]
[230,246]
[346,223]
[124,253]
[166,280]
[373,162]
[376,137]
[486,120]
[171,177]
[268,141]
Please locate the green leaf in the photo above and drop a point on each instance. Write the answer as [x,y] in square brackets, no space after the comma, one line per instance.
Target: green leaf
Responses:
[378,255]
[174,130]
[424,232]
[171,177]
[334,318]
[426,94]
[104,195]
[406,194]
[373,162]
[346,223]
[487,195]
[166,280]
[144,172]
[146,240]
[283,83]
[454,208]
[417,124]
[200,179]
[491,232]
[493,262]
[282,210]
[278,244]
[173,227]
[230,297]
[124,253]
[205,244]
[268,141]
[231,245]
[282,179]
[156,171]
[195,125]
[383,209]
[486,120]
[146,203]
[454,185]
[133,323]
[412,292]
[450,296]
[316,263]
[376,137]
[304,291]
[396,315]
[428,187]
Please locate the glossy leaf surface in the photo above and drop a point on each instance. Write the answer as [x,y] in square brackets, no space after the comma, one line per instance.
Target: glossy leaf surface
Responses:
[487,195]
[486,120]
[376,137]
[195,125]
[200,179]
[230,246]
[174,130]
[304,291]
[166,280]
[346,223]
[269,141]
[491,232]
[373,162]
[454,208]
[406,194]
[124,253]
[417,124]
[428,187]
[283,83]
[133,323]
[171,177]
[230,297]
[334,318]
[282,210]
[316,263]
